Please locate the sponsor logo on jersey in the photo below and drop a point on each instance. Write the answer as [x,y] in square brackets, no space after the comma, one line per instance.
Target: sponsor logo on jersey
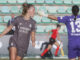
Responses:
[30,25]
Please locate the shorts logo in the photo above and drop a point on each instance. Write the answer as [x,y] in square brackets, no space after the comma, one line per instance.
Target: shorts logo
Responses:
[30,25]
[11,44]
[61,17]
[20,23]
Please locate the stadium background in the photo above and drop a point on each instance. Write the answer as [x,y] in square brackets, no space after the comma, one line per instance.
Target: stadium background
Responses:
[55,7]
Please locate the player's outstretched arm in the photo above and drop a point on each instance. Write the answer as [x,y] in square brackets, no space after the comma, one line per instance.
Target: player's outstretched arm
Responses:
[52,17]
[33,38]
[41,13]
[6,30]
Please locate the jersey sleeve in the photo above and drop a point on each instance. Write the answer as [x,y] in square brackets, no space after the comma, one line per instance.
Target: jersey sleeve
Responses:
[62,19]
[15,22]
[33,27]
[52,30]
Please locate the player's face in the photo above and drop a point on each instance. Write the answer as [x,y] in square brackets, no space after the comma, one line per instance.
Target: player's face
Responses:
[58,28]
[31,11]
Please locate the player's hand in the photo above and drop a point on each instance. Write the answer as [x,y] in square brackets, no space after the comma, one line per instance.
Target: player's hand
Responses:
[40,49]
[33,44]
[0,35]
[41,13]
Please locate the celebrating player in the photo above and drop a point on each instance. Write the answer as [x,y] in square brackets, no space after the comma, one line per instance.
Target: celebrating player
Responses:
[52,41]
[25,27]
[73,27]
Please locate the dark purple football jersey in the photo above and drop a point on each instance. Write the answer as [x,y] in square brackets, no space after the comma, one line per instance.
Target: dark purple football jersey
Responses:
[73,26]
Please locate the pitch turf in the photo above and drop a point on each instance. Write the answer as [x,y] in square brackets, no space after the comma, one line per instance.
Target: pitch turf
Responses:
[34,59]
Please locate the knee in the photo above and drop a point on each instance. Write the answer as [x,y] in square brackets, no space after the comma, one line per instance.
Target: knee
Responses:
[49,47]
[73,59]
[12,59]
[57,44]
[18,58]
[78,58]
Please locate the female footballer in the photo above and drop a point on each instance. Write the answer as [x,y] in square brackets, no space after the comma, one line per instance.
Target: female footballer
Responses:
[25,28]
[52,41]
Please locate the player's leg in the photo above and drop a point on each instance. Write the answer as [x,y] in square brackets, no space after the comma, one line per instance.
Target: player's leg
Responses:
[56,52]
[72,54]
[51,55]
[44,52]
[18,58]
[78,58]
[73,59]
[72,51]
[12,49]
[57,44]
[12,53]
[79,54]
[79,50]
[21,52]
[49,46]
[51,42]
